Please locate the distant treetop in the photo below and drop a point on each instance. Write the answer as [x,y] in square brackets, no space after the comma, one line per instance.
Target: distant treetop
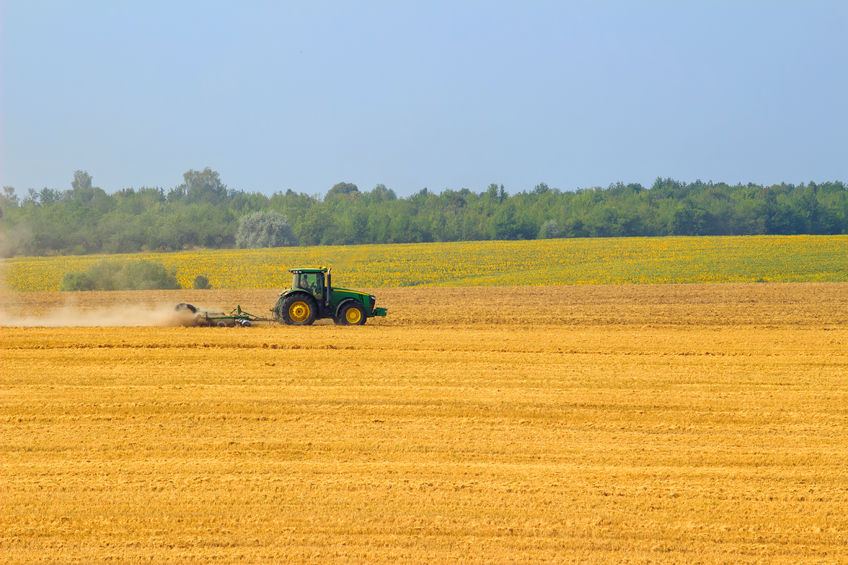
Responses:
[203,212]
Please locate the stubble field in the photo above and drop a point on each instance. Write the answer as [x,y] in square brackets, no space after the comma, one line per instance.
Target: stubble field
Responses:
[695,423]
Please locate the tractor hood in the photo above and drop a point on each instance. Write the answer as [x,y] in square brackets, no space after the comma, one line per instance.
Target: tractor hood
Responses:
[351,292]
[340,294]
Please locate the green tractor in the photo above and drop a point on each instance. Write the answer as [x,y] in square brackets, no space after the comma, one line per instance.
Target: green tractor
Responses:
[312,297]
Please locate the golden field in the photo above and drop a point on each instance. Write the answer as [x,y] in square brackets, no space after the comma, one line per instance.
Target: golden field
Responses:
[623,260]
[684,423]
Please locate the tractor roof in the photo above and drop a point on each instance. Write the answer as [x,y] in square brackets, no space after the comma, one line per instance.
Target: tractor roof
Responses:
[309,270]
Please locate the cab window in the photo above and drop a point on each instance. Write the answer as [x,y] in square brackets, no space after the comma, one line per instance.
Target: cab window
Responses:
[311,282]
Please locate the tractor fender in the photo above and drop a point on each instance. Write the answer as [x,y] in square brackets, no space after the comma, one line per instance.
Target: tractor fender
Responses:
[344,302]
[299,292]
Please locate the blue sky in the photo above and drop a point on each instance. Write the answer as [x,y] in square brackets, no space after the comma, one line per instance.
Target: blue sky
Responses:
[278,95]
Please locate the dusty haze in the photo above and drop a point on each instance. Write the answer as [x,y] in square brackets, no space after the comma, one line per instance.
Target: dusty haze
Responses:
[72,315]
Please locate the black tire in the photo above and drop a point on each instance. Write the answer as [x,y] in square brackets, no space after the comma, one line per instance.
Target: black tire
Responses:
[293,312]
[351,314]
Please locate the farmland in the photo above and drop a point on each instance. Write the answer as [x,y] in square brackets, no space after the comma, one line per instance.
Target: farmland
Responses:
[534,263]
[634,422]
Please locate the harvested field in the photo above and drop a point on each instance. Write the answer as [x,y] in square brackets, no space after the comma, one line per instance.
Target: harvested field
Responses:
[617,423]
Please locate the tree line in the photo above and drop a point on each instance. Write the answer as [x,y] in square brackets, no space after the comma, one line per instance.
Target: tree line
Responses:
[203,212]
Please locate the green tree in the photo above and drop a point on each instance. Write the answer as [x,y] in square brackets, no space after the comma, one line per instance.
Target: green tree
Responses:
[264,229]
[82,181]
[342,191]
[202,186]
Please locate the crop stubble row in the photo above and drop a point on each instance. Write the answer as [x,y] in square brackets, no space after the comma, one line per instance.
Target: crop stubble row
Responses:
[712,429]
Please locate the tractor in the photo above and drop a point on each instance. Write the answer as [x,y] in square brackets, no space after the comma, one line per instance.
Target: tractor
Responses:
[312,297]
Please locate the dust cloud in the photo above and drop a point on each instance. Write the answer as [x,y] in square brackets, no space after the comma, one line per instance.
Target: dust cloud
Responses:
[70,315]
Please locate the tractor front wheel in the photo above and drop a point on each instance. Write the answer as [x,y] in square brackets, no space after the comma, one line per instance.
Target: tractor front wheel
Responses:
[299,310]
[351,315]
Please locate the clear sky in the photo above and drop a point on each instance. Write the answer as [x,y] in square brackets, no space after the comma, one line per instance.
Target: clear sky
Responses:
[301,95]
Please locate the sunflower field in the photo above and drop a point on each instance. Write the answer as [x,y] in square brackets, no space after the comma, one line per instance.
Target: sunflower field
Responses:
[701,259]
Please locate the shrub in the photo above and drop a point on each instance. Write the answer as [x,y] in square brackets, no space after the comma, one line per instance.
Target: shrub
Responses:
[201,282]
[77,281]
[122,275]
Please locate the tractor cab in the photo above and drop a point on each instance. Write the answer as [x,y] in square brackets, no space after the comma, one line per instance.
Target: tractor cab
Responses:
[312,281]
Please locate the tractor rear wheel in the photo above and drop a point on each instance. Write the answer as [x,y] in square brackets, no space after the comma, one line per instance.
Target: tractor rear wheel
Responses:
[299,310]
[351,315]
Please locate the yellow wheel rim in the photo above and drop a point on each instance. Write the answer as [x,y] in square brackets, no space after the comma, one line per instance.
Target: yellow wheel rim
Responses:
[299,311]
[353,315]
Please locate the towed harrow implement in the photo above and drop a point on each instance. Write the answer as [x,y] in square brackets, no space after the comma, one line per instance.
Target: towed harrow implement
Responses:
[193,316]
